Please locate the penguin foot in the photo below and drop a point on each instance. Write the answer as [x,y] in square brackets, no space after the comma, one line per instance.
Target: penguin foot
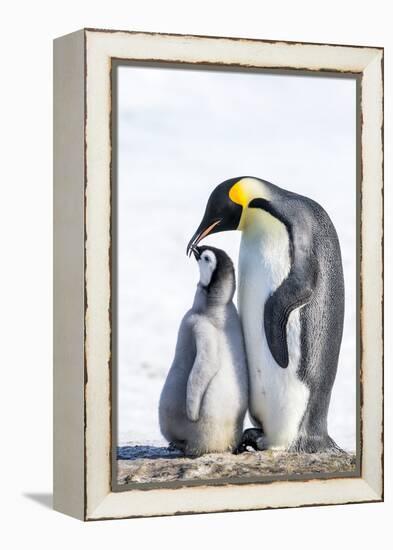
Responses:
[177,446]
[315,444]
[252,437]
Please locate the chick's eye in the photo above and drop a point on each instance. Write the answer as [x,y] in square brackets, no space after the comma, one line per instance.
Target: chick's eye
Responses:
[206,259]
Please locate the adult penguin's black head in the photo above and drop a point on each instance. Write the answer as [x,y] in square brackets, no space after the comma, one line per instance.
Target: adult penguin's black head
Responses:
[223,212]
[225,207]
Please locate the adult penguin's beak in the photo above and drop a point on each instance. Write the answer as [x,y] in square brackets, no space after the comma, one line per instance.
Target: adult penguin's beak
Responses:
[202,232]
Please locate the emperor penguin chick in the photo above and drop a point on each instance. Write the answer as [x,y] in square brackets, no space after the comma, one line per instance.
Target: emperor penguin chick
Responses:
[205,396]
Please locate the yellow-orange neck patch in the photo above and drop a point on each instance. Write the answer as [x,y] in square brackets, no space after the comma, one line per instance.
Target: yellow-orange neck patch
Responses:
[237,194]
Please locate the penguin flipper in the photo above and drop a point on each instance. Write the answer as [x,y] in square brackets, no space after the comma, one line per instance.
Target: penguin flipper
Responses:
[205,367]
[295,291]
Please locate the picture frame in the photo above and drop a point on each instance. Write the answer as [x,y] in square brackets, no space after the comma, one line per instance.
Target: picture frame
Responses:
[85,243]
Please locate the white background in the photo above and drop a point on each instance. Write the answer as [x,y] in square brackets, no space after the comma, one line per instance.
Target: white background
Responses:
[180,133]
[25,217]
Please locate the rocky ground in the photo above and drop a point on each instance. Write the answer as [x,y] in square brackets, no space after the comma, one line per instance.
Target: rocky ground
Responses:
[146,464]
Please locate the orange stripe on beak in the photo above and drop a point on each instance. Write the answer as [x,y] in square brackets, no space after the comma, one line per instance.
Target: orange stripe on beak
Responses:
[206,232]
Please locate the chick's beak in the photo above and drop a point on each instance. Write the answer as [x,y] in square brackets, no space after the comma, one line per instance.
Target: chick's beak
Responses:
[196,251]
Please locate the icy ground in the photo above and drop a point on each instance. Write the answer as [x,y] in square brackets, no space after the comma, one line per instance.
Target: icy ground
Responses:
[151,464]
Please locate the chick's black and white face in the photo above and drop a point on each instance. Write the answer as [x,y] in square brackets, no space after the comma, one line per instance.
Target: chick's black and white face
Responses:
[207,264]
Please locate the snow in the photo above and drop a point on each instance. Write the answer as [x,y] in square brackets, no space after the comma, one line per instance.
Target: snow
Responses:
[182,132]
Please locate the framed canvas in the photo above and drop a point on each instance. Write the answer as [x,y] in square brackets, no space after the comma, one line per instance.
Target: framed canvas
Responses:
[262,161]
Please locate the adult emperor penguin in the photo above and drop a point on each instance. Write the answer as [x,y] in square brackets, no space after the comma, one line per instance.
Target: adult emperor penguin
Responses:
[205,396]
[291,305]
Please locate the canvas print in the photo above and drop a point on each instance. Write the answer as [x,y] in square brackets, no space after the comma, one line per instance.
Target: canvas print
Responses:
[234,276]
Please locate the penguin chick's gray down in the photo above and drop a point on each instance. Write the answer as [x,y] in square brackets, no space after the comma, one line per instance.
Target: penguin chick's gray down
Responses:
[205,396]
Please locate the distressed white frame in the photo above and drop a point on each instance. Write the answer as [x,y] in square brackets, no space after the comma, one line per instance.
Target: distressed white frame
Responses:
[84,489]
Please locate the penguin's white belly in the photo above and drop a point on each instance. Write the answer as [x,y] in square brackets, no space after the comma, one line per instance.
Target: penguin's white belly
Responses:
[278,398]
